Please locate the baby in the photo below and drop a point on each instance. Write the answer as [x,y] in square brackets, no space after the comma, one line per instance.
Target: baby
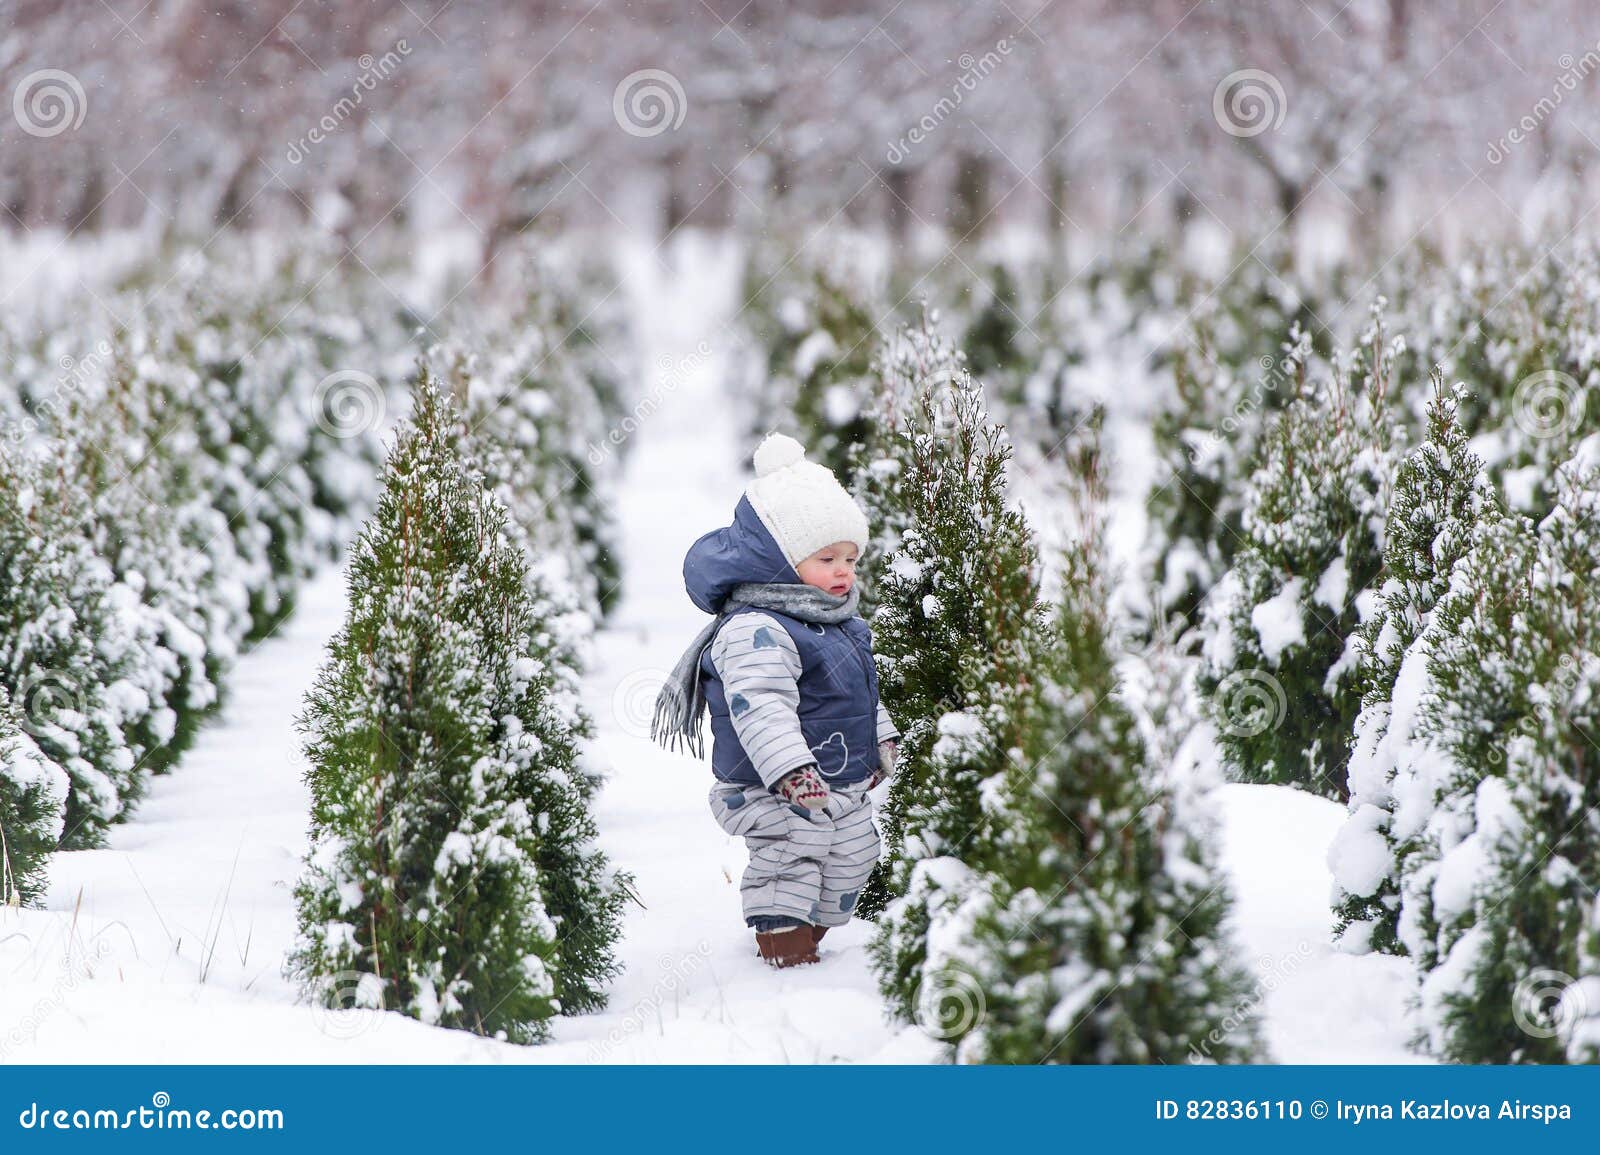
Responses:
[786,671]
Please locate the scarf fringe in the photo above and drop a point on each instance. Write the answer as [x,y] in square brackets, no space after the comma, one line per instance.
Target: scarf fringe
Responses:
[670,729]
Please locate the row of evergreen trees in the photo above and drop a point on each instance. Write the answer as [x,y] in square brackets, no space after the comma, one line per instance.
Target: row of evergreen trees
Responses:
[1220,355]
[1419,616]
[162,494]
[1308,515]
[1471,844]
[1049,891]
[453,874]
[164,501]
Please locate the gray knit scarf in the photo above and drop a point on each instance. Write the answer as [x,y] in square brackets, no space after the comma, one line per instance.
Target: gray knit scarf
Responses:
[681,702]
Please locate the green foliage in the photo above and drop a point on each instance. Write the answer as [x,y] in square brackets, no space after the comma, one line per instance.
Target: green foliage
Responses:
[1206,443]
[1277,674]
[1513,707]
[1087,925]
[1517,325]
[1440,499]
[33,794]
[452,874]
[1240,354]
[957,633]
[66,654]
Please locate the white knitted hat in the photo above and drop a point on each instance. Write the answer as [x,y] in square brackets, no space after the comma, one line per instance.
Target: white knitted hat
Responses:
[800,502]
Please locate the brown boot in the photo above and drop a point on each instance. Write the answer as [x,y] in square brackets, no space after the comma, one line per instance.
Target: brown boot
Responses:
[788,947]
[817,932]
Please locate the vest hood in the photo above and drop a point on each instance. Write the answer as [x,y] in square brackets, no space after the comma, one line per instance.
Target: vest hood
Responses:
[742,552]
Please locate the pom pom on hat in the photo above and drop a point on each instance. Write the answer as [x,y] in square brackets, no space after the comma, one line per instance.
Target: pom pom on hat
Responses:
[777,452]
[801,502]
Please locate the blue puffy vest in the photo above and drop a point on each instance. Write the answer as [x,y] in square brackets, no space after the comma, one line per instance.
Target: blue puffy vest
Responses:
[838,702]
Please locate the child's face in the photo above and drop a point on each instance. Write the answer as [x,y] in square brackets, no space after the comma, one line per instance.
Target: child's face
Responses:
[831,568]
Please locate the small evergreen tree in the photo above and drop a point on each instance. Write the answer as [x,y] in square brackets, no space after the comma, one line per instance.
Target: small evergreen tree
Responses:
[1277,665]
[816,326]
[1205,440]
[912,362]
[131,446]
[1098,930]
[452,874]
[33,795]
[1440,498]
[958,633]
[1473,655]
[65,650]
[1504,906]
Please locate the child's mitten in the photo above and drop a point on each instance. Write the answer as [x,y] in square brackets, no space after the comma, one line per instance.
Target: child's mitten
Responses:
[803,787]
[886,755]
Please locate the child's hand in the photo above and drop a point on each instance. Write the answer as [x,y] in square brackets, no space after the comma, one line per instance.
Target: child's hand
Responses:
[886,756]
[803,787]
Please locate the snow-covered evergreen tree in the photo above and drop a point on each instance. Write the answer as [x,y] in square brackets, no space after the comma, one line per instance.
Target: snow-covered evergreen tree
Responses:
[1440,497]
[1501,914]
[1518,325]
[33,797]
[914,361]
[1206,439]
[133,448]
[958,633]
[533,488]
[815,325]
[67,653]
[1479,620]
[452,874]
[1096,932]
[1278,667]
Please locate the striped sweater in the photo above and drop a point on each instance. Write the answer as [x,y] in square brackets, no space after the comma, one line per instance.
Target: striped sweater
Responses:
[760,668]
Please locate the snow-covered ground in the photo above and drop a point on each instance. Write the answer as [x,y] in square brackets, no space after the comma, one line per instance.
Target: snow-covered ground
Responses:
[167,946]
[1318,1004]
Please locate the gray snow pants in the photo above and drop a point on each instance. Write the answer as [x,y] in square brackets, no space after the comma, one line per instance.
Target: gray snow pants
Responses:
[804,864]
